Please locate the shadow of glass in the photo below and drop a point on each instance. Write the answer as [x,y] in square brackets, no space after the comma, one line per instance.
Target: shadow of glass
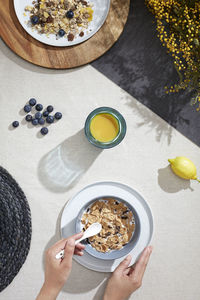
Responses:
[62,167]
[171,183]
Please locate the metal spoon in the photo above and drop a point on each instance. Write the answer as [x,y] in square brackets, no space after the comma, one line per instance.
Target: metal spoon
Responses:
[92,230]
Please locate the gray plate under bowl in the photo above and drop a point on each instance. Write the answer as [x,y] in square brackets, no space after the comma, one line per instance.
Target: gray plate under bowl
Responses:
[113,254]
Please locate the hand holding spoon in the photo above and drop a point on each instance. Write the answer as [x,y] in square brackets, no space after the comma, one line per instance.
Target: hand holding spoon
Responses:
[92,230]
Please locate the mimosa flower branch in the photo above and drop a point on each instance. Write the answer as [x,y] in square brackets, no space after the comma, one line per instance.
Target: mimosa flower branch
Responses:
[178,27]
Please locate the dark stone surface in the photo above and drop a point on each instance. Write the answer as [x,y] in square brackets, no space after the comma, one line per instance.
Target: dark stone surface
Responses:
[139,64]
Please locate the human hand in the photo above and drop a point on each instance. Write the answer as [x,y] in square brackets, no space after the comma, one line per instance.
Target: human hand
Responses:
[57,270]
[125,280]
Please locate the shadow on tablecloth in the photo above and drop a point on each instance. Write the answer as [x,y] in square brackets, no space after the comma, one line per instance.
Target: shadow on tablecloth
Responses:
[163,131]
[62,167]
[29,66]
[171,183]
[141,66]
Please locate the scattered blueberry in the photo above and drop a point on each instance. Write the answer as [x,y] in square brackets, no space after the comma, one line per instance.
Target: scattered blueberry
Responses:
[27,108]
[38,115]
[32,101]
[58,116]
[34,20]
[15,124]
[45,113]
[69,14]
[39,107]
[44,130]
[35,121]
[50,119]
[50,108]
[41,121]
[61,32]
[29,118]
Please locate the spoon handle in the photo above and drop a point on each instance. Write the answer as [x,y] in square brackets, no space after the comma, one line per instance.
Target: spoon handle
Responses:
[61,253]
[89,232]
[79,240]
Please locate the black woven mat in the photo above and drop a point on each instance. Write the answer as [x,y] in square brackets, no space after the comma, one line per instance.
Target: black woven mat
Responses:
[15,228]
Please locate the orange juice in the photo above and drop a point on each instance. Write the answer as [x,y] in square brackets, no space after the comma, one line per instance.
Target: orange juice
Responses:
[104,127]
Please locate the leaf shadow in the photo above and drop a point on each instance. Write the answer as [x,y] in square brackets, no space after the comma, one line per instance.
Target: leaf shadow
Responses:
[152,121]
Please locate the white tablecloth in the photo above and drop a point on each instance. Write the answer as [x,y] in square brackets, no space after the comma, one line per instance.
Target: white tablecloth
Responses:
[139,161]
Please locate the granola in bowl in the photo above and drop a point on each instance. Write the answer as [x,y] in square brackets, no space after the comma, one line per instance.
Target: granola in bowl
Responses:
[117,220]
[63,18]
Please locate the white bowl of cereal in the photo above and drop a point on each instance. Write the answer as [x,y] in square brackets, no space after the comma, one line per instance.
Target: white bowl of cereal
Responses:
[61,23]
[81,201]
[120,227]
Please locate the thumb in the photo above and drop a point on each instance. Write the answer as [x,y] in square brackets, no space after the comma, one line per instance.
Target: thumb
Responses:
[123,265]
[69,251]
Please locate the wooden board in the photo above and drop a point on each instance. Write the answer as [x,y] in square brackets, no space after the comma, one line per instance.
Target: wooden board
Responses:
[18,40]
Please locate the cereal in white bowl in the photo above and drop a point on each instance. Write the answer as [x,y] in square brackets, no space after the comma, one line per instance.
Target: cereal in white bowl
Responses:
[117,222]
[63,18]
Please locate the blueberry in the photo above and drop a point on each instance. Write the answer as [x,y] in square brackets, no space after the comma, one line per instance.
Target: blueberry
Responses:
[58,116]
[45,113]
[29,118]
[32,101]
[39,107]
[44,130]
[15,124]
[41,121]
[50,119]
[69,14]
[34,20]
[35,121]
[27,108]
[38,115]
[61,32]
[50,108]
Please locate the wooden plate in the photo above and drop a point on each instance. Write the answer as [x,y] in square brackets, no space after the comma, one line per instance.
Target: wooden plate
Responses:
[18,40]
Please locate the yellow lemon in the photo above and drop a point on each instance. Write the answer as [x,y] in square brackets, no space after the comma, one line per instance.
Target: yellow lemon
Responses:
[184,168]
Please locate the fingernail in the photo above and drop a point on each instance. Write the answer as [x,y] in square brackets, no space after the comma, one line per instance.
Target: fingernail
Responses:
[70,243]
[128,257]
[150,248]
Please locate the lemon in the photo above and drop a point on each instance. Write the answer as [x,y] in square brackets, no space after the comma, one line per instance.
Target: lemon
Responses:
[184,168]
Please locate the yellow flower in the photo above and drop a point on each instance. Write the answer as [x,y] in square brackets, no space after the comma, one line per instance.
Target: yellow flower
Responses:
[178,29]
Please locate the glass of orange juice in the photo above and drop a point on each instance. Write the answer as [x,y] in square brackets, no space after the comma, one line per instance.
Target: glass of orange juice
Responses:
[105,127]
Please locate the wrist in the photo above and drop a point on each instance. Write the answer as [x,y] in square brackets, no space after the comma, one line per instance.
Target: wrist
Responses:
[48,293]
[112,297]
[109,297]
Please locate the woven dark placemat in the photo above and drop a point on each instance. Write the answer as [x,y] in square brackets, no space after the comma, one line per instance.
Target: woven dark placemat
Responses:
[15,228]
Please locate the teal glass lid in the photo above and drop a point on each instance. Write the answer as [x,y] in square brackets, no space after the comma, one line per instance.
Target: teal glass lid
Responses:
[121,124]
